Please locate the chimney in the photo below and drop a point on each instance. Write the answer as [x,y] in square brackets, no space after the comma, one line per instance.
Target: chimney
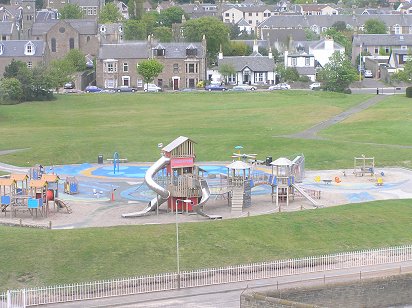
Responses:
[255,46]
[270,55]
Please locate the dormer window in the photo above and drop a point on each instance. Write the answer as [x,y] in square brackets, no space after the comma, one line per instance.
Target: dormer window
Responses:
[159,51]
[191,51]
[103,28]
[29,49]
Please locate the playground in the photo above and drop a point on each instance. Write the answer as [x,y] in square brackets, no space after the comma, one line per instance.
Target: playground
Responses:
[116,192]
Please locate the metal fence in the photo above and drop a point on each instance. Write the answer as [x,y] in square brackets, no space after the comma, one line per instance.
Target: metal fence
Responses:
[203,277]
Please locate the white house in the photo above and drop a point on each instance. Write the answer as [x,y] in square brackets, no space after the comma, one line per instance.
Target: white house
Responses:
[254,69]
[324,49]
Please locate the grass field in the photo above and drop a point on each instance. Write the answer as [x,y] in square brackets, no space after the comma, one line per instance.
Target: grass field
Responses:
[37,257]
[75,129]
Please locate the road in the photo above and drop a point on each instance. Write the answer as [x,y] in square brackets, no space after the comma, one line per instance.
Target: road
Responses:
[228,295]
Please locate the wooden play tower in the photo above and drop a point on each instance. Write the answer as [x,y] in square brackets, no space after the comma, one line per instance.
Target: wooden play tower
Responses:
[282,189]
[182,175]
[239,179]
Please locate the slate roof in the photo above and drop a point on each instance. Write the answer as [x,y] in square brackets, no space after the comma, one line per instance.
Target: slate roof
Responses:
[84,26]
[129,50]
[256,64]
[283,35]
[300,21]
[6,27]
[178,50]
[16,48]
[382,40]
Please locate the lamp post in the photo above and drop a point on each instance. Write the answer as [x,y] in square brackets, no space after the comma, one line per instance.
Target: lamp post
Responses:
[177,240]
[360,62]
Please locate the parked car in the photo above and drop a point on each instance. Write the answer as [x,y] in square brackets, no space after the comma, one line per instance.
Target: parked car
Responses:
[315,86]
[126,89]
[280,86]
[244,87]
[92,89]
[215,87]
[368,74]
[151,87]
[69,85]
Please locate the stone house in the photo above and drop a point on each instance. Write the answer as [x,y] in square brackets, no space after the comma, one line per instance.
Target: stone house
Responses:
[317,9]
[63,35]
[91,8]
[184,64]
[254,69]
[32,53]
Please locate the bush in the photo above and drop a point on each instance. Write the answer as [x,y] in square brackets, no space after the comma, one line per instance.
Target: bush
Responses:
[409,92]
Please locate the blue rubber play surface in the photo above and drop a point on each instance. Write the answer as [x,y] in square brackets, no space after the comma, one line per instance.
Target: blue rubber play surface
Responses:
[124,171]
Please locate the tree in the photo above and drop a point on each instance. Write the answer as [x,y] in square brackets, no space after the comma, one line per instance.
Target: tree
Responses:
[11,90]
[163,34]
[135,30]
[288,73]
[310,35]
[19,70]
[339,26]
[110,14]
[58,73]
[405,74]
[215,31]
[77,60]
[71,11]
[136,9]
[226,70]
[237,48]
[375,26]
[151,20]
[340,38]
[149,69]
[338,74]
[170,16]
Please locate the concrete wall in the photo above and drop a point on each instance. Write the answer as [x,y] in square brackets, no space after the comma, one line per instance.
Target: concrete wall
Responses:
[392,291]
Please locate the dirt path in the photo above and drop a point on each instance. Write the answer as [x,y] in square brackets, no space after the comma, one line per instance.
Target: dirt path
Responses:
[312,132]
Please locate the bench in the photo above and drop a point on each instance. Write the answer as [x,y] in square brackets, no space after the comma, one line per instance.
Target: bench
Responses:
[120,160]
[327,182]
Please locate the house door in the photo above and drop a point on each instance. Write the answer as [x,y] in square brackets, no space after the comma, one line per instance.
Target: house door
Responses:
[246,78]
[175,84]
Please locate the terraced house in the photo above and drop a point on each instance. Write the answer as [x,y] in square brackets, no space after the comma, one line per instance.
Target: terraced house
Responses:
[184,64]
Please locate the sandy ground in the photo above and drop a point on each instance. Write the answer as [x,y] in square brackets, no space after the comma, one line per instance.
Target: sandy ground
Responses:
[102,212]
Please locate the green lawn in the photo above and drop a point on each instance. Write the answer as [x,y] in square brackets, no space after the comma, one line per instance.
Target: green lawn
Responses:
[76,128]
[38,257]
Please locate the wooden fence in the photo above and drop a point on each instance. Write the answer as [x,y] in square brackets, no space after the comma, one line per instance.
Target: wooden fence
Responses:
[202,277]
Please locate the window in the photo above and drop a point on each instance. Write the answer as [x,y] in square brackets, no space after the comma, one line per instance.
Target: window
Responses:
[160,52]
[88,39]
[125,67]
[110,67]
[29,64]
[29,49]
[71,43]
[231,78]
[160,82]
[110,83]
[259,77]
[294,61]
[139,83]
[387,49]
[175,68]
[53,45]
[376,50]
[226,14]
[397,29]
[307,61]
[191,83]
[126,81]
[250,14]
[190,68]
[250,22]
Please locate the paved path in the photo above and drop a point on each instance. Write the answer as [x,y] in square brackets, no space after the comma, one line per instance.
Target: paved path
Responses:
[311,133]
[228,295]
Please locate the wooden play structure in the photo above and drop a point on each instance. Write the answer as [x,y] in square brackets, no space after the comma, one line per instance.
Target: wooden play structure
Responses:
[18,193]
[364,165]
[285,176]
[239,180]
[182,176]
